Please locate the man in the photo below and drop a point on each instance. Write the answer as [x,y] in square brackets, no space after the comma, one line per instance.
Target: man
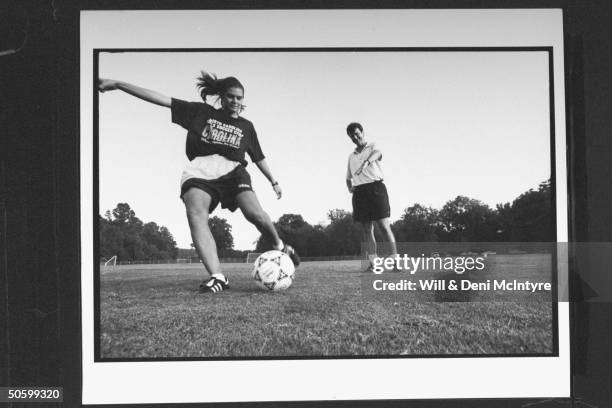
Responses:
[364,179]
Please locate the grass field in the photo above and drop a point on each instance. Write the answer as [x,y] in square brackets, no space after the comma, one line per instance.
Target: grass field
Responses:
[153,311]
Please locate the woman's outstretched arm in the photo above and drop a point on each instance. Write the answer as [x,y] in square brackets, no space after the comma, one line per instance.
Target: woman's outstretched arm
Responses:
[142,93]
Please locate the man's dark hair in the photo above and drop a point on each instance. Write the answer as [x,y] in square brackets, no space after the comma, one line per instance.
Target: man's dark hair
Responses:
[352,126]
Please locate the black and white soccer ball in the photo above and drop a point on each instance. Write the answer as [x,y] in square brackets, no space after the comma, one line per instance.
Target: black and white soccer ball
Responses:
[273,270]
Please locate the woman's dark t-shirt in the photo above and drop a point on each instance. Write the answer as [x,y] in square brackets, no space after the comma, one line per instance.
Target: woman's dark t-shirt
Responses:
[212,131]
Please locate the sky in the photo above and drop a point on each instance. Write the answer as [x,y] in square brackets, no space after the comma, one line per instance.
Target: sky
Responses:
[447,123]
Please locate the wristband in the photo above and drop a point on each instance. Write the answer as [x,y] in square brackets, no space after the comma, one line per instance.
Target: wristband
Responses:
[275,184]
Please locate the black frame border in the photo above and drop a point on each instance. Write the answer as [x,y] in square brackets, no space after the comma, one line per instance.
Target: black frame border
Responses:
[96,266]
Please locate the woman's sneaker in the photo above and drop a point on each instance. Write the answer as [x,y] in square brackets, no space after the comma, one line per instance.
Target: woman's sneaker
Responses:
[214,285]
[295,258]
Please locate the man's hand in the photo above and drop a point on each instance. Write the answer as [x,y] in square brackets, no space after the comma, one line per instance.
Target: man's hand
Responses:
[349,186]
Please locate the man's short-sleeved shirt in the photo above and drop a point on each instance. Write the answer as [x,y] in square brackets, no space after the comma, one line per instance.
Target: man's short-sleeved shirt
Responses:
[211,131]
[370,174]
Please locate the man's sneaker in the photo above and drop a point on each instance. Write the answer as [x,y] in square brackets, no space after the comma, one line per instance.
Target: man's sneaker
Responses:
[214,285]
[295,258]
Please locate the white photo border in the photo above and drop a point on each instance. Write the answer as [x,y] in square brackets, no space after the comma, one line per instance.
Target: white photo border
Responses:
[329,379]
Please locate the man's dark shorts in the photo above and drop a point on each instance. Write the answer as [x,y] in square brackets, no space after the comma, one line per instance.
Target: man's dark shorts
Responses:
[371,202]
[222,190]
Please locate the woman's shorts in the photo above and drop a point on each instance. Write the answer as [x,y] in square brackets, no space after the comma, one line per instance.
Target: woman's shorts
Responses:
[370,202]
[223,189]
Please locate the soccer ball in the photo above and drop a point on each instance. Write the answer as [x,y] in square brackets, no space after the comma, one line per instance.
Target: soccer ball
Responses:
[273,270]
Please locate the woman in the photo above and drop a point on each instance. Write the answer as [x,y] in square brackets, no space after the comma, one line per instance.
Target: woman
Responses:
[217,140]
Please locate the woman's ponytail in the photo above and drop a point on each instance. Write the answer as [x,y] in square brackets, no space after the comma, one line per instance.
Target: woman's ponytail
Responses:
[208,84]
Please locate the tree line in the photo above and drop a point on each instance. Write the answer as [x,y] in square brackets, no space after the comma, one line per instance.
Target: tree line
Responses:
[123,234]
[126,236]
[529,218]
